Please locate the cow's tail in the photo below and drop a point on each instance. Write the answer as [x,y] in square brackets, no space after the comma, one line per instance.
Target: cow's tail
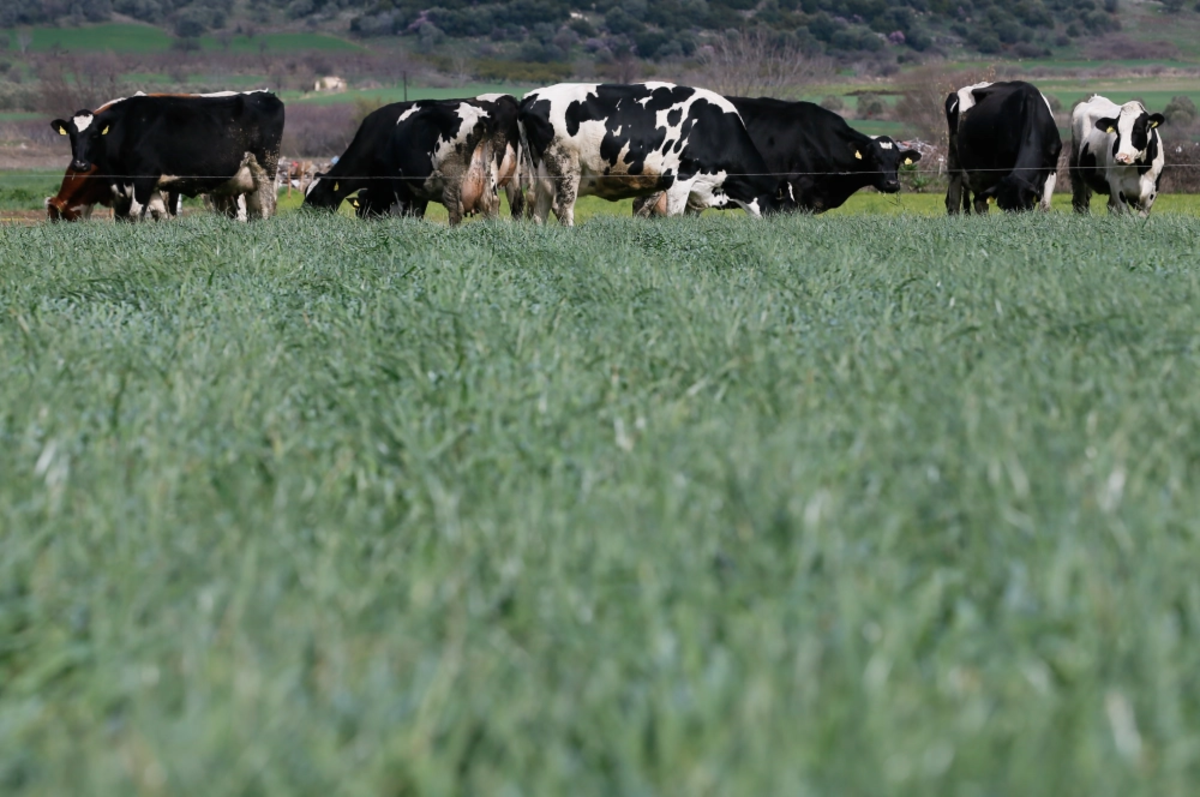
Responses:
[526,171]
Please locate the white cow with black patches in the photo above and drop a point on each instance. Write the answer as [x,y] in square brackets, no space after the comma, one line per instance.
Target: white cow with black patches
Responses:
[621,141]
[1117,151]
[405,155]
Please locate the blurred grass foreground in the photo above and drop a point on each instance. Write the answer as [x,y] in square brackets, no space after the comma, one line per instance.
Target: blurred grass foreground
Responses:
[857,505]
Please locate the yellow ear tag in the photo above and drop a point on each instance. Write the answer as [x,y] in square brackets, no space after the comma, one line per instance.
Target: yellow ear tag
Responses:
[62,131]
[335,188]
[858,154]
[104,132]
[1153,125]
[1109,130]
[908,161]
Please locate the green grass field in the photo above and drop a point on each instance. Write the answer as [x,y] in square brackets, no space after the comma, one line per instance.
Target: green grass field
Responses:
[120,37]
[836,505]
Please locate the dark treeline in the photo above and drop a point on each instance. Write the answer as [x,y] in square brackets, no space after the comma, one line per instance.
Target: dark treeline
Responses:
[547,30]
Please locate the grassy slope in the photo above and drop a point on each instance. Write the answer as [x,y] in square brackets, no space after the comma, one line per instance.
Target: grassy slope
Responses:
[816,506]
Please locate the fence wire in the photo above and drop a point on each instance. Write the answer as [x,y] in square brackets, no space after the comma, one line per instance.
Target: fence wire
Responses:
[905,172]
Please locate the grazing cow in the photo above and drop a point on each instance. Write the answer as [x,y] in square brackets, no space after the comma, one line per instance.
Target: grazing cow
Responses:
[1004,145]
[1116,151]
[82,191]
[622,141]
[823,158]
[404,155]
[223,144]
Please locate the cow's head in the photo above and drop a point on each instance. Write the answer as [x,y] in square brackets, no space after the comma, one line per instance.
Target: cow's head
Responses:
[883,157]
[371,206]
[1133,132]
[80,190]
[87,132]
[781,200]
[1014,193]
[326,192]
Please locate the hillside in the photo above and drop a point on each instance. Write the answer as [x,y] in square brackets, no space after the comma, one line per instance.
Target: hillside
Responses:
[884,34]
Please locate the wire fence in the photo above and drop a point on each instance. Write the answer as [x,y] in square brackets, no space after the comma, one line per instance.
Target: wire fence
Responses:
[943,172]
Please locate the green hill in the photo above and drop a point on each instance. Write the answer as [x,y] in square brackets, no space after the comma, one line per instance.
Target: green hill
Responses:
[555,31]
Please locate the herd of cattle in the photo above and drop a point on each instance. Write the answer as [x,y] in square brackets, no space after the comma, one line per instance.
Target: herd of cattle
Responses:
[674,149]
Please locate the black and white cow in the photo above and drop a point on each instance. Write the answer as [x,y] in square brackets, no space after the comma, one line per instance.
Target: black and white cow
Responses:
[621,141]
[224,144]
[405,155]
[824,159]
[1004,145]
[1116,151]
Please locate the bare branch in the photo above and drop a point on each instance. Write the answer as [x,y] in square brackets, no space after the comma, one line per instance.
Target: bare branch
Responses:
[749,64]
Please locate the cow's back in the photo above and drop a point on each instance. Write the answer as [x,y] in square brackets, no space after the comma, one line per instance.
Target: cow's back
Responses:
[194,135]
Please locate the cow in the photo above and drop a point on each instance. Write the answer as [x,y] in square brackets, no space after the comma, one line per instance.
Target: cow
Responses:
[1004,145]
[224,144]
[824,159]
[1116,150]
[404,155]
[80,192]
[620,141]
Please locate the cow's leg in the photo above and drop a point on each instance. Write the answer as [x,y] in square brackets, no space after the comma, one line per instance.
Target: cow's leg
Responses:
[1116,198]
[254,205]
[158,207]
[1048,191]
[260,202]
[566,192]
[954,195]
[543,199]
[123,206]
[1081,193]
[453,200]
[516,198]
[648,206]
[145,190]
[676,199]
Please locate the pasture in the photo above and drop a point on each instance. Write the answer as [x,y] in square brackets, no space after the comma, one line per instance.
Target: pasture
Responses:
[126,37]
[836,505]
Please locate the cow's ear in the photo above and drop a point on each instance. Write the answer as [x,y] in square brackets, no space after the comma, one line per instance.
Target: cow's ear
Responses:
[1107,124]
[1156,119]
[910,156]
[60,126]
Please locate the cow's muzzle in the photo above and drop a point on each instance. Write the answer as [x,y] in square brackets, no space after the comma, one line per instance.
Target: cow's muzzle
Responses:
[81,166]
[1123,158]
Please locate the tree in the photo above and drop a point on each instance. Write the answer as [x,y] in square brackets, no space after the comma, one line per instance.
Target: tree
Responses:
[747,64]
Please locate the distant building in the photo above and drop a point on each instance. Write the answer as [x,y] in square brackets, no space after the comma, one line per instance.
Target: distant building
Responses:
[330,83]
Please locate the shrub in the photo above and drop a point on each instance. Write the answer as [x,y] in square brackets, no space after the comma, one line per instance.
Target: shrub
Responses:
[871,106]
[1180,111]
[832,102]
